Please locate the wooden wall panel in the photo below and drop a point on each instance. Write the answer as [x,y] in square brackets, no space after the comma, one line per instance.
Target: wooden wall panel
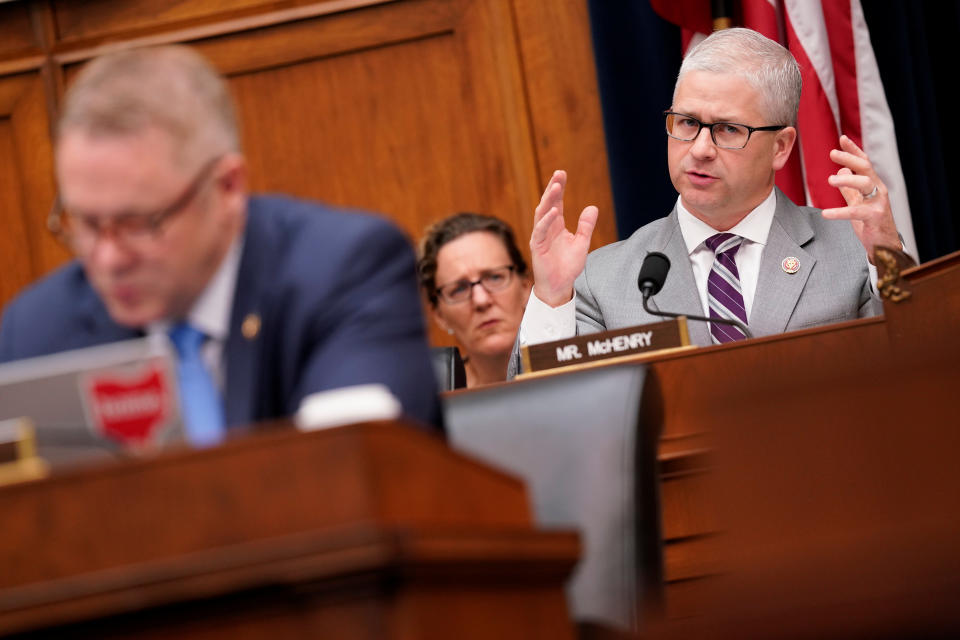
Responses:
[14,236]
[411,126]
[565,107]
[417,161]
[26,184]
[17,34]
[99,18]
[411,108]
[298,39]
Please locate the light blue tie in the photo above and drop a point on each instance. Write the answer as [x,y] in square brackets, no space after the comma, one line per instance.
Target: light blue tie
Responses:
[199,398]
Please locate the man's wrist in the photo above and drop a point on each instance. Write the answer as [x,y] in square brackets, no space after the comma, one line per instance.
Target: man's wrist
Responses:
[552,298]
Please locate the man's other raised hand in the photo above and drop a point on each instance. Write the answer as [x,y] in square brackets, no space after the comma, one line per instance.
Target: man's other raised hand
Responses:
[868,207]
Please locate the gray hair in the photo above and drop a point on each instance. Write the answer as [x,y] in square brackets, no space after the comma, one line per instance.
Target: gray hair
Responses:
[764,64]
[172,88]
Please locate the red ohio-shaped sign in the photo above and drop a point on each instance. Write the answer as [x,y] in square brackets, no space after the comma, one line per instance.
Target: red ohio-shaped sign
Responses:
[130,410]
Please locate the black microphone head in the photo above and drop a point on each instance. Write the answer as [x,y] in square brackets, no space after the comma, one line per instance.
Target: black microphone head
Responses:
[653,273]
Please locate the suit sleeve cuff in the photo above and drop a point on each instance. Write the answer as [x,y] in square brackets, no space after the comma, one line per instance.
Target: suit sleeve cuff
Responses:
[543,323]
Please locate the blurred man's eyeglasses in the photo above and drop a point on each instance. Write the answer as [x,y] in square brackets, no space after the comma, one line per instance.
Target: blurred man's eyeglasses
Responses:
[726,135]
[80,233]
[492,280]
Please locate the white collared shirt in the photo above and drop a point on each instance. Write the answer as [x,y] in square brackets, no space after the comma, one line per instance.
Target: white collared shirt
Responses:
[543,323]
[211,312]
[754,229]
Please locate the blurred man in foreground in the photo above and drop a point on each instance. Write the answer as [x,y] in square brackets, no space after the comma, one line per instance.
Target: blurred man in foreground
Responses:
[282,298]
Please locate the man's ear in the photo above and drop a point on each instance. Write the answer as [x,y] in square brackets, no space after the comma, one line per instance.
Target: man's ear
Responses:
[783,145]
[233,181]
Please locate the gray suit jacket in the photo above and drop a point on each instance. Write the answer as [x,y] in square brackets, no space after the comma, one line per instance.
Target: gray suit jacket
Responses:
[832,284]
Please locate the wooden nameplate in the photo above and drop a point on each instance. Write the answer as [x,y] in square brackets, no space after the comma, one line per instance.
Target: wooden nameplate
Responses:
[629,341]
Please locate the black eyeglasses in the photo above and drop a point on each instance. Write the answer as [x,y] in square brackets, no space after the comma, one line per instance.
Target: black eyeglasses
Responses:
[726,135]
[492,280]
[81,232]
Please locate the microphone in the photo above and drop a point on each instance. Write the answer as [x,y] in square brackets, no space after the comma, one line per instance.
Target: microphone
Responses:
[653,273]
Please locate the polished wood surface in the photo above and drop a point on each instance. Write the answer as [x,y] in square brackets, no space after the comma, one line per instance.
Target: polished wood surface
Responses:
[411,108]
[367,531]
[812,484]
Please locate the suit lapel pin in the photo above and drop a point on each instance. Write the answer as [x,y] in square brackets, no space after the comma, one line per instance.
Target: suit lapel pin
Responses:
[250,326]
[790,265]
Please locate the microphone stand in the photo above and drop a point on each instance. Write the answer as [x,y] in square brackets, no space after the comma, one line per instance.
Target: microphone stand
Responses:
[646,290]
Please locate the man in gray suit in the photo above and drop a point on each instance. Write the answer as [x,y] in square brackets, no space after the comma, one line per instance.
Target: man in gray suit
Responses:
[739,248]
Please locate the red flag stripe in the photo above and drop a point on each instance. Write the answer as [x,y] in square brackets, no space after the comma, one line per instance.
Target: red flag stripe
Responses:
[837,18]
[761,16]
[817,126]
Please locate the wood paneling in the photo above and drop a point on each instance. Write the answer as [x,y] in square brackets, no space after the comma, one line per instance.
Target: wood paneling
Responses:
[410,127]
[17,33]
[26,184]
[14,236]
[565,108]
[413,109]
[97,18]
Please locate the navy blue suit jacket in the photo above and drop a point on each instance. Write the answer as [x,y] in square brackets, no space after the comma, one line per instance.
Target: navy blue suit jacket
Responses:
[336,295]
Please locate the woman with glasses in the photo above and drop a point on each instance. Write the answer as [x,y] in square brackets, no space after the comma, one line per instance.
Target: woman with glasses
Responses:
[476,282]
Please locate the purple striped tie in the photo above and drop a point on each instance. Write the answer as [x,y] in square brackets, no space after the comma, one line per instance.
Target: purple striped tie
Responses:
[723,288]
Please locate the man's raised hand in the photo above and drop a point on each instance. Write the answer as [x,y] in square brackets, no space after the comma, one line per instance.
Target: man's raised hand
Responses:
[558,255]
[868,207]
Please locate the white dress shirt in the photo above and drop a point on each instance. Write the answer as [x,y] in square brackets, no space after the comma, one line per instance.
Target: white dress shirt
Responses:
[754,229]
[543,323]
[211,313]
